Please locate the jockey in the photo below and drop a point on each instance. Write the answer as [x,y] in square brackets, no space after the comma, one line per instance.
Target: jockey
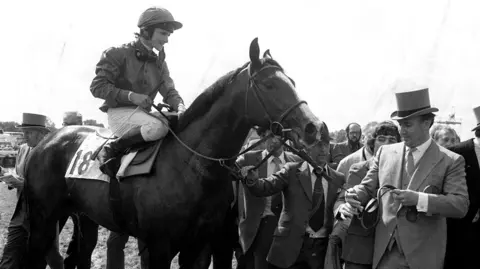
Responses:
[128,78]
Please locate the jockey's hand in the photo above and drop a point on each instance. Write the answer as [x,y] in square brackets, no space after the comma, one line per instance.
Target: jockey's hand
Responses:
[352,199]
[141,100]
[2,171]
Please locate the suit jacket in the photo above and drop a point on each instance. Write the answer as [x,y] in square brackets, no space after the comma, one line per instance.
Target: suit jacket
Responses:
[342,150]
[356,157]
[358,243]
[423,242]
[251,207]
[460,232]
[295,183]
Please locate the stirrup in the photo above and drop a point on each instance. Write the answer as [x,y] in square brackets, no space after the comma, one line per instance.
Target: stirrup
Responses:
[111,166]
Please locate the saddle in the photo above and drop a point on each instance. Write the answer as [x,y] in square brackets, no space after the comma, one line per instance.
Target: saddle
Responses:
[144,158]
[141,163]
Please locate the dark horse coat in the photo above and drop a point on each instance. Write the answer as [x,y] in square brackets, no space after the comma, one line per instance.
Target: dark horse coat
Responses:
[184,200]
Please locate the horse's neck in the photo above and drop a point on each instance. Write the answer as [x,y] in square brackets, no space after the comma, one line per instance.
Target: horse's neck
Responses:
[221,132]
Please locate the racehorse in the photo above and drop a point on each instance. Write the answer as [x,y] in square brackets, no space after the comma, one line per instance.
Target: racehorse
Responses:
[184,199]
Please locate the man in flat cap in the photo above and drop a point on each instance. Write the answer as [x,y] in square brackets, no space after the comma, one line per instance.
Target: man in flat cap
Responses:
[427,185]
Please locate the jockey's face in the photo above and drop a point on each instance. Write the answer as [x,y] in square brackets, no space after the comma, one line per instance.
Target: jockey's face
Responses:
[159,38]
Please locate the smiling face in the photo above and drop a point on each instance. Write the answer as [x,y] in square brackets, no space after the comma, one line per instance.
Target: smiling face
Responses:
[159,38]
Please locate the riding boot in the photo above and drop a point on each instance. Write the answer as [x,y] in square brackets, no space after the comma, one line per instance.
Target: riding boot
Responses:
[111,155]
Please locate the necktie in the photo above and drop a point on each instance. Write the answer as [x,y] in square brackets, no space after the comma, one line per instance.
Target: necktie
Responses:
[316,221]
[277,164]
[410,165]
[274,201]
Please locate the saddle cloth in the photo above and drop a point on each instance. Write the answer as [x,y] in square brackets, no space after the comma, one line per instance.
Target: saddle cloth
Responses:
[136,162]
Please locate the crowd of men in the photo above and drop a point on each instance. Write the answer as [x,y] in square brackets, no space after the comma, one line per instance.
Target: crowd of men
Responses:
[420,178]
[402,193]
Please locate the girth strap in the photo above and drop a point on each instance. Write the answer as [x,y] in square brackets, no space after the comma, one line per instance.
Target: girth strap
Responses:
[115,200]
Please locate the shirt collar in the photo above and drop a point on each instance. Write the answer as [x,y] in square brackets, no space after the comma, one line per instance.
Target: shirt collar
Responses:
[270,159]
[423,147]
[476,141]
[310,168]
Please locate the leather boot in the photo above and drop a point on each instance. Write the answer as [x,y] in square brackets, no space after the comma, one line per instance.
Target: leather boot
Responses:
[111,155]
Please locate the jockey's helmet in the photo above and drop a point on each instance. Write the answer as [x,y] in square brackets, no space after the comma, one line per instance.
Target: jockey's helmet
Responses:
[154,16]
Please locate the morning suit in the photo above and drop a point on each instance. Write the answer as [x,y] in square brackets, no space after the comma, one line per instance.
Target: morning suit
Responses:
[255,227]
[462,234]
[296,181]
[14,251]
[422,242]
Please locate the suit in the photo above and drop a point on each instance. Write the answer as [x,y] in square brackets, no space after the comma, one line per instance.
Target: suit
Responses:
[423,242]
[462,240]
[358,242]
[295,183]
[256,229]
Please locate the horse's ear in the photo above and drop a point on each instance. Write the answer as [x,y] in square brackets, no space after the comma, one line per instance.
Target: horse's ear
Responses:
[255,54]
[267,54]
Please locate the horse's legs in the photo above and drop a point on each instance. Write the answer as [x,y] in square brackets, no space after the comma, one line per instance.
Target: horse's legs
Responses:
[84,240]
[40,234]
[160,254]
[197,255]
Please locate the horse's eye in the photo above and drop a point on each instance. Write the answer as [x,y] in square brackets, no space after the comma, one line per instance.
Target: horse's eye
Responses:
[269,86]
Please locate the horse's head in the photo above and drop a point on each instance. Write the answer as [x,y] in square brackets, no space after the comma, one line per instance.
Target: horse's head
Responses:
[272,102]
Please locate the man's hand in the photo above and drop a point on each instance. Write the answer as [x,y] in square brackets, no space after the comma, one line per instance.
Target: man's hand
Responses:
[249,174]
[141,100]
[406,197]
[348,211]
[352,199]
[12,181]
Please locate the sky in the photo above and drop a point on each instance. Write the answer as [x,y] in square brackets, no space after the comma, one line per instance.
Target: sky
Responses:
[348,58]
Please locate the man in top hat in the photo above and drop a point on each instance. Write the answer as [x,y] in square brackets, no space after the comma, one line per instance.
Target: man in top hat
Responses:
[430,186]
[463,234]
[34,129]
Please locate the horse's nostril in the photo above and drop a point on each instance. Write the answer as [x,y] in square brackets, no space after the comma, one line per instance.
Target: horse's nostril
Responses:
[310,129]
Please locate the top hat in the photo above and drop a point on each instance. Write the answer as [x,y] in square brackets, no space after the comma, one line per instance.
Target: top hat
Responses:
[411,104]
[31,120]
[476,111]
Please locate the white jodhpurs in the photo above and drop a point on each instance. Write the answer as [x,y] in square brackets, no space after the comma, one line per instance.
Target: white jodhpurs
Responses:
[122,119]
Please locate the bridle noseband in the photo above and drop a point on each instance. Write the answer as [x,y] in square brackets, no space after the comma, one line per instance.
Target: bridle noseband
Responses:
[275,125]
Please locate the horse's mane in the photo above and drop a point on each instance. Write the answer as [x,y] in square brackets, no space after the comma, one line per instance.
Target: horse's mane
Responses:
[202,104]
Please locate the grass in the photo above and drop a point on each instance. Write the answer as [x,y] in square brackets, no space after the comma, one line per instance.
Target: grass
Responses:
[8,201]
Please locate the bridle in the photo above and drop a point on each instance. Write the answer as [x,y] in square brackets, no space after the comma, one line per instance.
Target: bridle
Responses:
[276,127]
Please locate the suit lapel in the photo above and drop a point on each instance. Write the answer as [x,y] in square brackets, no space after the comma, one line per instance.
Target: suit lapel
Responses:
[396,162]
[326,185]
[424,166]
[305,179]
[263,168]
[471,152]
